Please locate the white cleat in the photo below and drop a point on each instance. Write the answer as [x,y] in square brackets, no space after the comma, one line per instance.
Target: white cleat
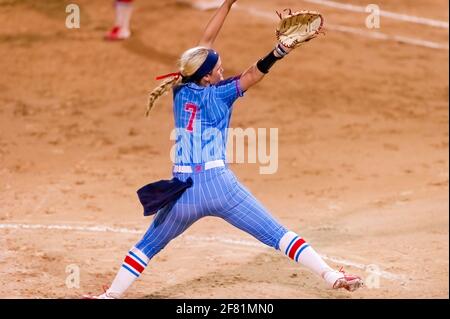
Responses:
[104,295]
[348,282]
[117,33]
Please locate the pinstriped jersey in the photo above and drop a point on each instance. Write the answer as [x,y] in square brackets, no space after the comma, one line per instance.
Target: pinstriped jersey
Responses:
[202,116]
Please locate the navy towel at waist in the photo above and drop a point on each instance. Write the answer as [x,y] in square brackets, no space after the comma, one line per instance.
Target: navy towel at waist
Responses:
[156,195]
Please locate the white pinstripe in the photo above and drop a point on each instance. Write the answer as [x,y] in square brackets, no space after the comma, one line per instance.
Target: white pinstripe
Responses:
[215,192]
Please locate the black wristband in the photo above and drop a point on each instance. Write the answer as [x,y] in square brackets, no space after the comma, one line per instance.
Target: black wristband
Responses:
[267,62]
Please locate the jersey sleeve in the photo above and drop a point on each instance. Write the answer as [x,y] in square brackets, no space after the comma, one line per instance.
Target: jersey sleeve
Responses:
[228,91]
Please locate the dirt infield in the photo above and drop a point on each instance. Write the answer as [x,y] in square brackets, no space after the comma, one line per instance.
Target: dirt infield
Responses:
[363,169]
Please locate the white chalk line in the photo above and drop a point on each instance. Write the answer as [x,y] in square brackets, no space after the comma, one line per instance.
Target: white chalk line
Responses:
[361,32]
[387,14]
[203,5]
[383,36]
[223,240]
[95,229]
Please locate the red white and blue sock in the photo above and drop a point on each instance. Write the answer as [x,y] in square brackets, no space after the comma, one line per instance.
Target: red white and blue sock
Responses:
[133,265]
[296,248]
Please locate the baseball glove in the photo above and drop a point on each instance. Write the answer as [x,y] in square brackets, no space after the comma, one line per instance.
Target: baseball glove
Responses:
[296,28]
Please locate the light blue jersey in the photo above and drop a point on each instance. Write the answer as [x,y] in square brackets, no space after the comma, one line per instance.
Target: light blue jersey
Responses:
[202,116]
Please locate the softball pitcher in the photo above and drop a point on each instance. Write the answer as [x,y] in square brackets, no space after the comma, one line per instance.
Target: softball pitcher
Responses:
[202,106]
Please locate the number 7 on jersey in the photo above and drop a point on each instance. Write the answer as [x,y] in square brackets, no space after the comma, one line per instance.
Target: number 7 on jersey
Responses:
[193,109]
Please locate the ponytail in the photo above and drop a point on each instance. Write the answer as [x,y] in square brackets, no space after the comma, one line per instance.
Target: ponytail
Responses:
[164,87]
[190,61]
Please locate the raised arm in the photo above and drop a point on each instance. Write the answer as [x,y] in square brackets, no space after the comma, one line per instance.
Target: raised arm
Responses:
[215,24]
[293,30]
[256,72]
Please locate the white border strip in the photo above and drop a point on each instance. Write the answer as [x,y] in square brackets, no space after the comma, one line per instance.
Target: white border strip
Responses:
[361,32]
[228,241]
[387,14]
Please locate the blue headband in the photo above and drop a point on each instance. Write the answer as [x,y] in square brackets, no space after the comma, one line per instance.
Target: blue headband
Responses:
[207,66]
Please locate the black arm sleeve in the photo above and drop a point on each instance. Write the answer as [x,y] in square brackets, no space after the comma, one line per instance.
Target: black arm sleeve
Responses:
[267,62]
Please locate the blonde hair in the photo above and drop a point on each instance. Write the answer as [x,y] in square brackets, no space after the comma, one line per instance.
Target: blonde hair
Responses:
[190,61]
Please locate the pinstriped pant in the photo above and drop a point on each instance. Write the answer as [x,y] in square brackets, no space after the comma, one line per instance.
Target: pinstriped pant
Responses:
[215,192]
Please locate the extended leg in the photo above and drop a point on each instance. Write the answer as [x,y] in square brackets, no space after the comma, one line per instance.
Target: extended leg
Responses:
[296,248]
[169,223]
[250,216]
[121,28]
